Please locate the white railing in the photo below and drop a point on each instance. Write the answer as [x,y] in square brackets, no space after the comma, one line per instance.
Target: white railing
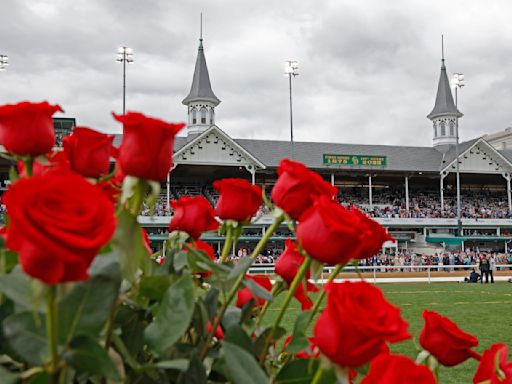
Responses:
[378,272]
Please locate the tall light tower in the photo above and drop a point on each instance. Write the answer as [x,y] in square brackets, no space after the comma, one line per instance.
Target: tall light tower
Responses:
[458,82]
[124,55]
[291,70]
[4,62]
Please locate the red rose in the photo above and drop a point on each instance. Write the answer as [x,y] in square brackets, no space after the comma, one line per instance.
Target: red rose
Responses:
[88,152]
[287,266]
[56,160]
[219,334]
[397,369]
[374,236]
[357,323]
[239,200]
[26,129]
[445,340]
[147,240]
[147,146]
[330,233]
[57,223]
[494,367]
[245,295]
[193,215]
[206,248]
[296,186]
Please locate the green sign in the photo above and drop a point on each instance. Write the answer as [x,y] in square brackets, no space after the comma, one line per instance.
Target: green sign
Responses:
[355,160]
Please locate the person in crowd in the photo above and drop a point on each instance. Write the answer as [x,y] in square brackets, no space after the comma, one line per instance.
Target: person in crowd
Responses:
[484,268]
[492,267]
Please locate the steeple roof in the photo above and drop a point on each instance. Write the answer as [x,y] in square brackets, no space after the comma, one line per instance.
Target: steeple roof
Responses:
[444,100]
[201,89]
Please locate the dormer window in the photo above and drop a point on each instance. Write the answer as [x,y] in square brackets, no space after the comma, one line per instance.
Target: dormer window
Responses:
[203,115]
[442,124]
[452,128]
[194,116]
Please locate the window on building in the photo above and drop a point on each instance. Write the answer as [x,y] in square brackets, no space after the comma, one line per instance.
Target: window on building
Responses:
[435,129]
[194,116]
[203,115]
[442,124]
[452,128]
[211,116]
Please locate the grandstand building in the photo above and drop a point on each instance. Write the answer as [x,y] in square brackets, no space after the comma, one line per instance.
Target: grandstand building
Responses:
[409,190]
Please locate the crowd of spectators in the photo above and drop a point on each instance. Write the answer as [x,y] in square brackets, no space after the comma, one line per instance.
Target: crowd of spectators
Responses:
[386,202]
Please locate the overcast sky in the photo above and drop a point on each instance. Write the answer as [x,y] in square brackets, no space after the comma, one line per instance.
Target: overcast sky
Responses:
[368,69]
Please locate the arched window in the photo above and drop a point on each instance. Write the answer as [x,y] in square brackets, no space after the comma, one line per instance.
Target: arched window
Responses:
[442,124]
[211,116]
[203,115]
[435,129]
[194,116]
[452,128]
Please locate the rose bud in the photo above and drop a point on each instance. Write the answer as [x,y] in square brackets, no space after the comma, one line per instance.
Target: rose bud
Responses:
[88,152]
[58,222]
[287,266]
[206,248]
[193,215]
[26,129]
[56,162]
[357,324]
[397,369]
[245,295]
[445,340]
[147,146]
[374,236]
[239,200]
[310,352]
[494,367]
[296,186]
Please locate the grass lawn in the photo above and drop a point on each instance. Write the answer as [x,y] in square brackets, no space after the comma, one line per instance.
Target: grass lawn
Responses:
[484,310]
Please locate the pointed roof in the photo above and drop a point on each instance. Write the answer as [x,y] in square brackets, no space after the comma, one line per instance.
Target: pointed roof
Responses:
[444,99]
[201,89]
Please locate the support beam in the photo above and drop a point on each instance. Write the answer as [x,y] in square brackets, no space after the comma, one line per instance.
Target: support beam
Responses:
[168,185]
[507,177]
[407,193]
[370,196]
[332,178]
[442,191]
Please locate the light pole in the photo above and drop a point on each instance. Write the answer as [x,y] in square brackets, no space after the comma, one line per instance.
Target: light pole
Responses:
[124,55]
[4,62]
[457,82]
[291,70]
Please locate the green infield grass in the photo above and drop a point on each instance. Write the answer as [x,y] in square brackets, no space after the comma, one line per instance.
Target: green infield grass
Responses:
[484,310]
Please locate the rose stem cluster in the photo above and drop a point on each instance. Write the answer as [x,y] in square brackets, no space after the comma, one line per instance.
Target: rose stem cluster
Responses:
[232,293]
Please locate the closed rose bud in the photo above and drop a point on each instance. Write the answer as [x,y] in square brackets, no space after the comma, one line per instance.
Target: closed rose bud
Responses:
[287,266]
[449,344]
[296,186]
[245,295]
[397,369]
[206,248]
[193,215]
[147,146]
[357,324]
[239,200]
[374,236]
[494,367]
[58,222]
[26,129]
[88,152]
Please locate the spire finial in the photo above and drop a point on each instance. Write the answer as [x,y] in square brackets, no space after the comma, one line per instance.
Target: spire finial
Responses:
[201,31]
[442,52]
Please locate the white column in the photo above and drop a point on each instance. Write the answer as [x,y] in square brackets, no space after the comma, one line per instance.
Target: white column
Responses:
[370,191]
[168,190]
[253,177]
[442,192]
[332,178]
[407,193]
[509,197]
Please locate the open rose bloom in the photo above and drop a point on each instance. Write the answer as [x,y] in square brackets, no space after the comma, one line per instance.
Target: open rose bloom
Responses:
[93,291]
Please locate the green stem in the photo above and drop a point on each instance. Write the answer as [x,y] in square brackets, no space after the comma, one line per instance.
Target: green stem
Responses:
[321,296]
[318,376]
[299,277]
[227,244]
[138,197]
[275,289]
[51,331]
[203,352]
[29,165]
[111,321]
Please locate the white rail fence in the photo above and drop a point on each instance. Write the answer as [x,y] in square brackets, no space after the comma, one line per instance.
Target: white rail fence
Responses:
[377,274]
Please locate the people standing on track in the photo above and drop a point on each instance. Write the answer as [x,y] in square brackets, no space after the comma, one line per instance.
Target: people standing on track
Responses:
[492,267]
[484,268]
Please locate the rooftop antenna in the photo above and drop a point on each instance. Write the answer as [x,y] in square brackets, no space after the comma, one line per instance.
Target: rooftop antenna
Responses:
[442,52]
[201,31]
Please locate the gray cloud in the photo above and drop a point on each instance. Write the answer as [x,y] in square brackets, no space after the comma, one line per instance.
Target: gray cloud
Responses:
[368,69]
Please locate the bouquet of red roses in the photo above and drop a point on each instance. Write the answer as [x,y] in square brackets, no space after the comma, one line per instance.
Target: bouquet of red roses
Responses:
[83,299]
